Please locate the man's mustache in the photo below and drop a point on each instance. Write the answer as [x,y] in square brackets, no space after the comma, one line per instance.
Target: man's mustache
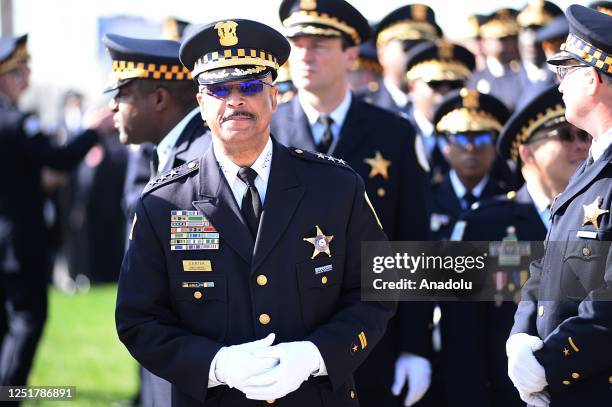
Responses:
[236,115]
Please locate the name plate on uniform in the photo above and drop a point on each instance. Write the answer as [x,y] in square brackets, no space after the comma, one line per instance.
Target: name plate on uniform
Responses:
[587,234]
[197,284]
[324,269]
[197,265]
[191,230]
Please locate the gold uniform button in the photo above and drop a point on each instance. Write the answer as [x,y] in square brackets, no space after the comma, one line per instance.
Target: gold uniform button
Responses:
[566,382]
[197,295]
[586,251]
[324,279]
[264,319]
[575,376]
[541,311]
[191,165]
[262,280]
[270,401]
[352,394]
[610,379]
[381,192]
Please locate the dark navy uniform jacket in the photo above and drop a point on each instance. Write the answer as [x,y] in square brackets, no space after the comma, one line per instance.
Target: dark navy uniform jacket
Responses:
[383,99]
[446,205]
[22,156]
[400,202]
[567,300]
[191,144]
[476,366]
[508,88]
[175,334]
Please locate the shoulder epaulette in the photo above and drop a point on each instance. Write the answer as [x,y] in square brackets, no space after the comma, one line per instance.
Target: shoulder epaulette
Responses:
[172,175]
[319,157]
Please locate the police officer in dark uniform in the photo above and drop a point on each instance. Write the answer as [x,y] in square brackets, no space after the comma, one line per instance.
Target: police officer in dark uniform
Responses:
[558,351]
[499,42]
[252,243]
[469,123]
[534,73]
[395,35]
[432,70]
[26,264]
[548,152]
[326,117]
[154,108]
[157,114]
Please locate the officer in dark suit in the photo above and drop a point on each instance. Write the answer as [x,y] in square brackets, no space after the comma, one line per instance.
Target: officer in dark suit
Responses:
[548,152]
[534,73]
[558,351]
[154,109]
[326,117]
[157,114]
[25,266]
[250,244]
[499,41]
[468,122]
[433,69]
[395,35]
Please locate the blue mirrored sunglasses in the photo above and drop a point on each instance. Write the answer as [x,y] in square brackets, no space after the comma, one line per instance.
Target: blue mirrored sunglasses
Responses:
[248,88]
[478,140]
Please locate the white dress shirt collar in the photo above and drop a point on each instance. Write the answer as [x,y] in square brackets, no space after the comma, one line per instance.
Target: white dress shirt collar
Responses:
[460,189]
[400,98]
[599,145]
[165,147]
[261,166]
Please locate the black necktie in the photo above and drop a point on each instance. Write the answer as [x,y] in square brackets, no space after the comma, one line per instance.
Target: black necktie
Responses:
[469,199]
[251,203]
[154,163]
[327,138]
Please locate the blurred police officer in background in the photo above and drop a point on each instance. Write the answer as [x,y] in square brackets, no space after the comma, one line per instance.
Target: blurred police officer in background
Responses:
[499,42]
[432,70]
[326,117]
[557,351]
[395,35]
[26,263]
[154,104]
[469,123]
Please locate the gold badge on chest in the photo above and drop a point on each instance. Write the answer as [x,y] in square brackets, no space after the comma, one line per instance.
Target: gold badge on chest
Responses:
[320,243]
[592,212]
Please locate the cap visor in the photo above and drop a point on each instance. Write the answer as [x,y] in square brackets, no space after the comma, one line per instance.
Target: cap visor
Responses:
[560,57]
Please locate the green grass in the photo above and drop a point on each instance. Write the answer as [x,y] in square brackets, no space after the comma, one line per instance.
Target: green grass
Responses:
[80,348]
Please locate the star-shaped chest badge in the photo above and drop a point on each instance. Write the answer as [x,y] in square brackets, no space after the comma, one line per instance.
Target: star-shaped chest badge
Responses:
[380,166]
[592,212]
[320,243]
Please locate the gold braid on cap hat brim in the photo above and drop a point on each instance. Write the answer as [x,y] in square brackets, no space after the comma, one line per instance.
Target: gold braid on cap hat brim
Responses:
[439,70]
[552,115]
[533,15]
[588,52]
[20,55]
[464,120]
[499,28]
[306,18]
[406,30]
[234,57]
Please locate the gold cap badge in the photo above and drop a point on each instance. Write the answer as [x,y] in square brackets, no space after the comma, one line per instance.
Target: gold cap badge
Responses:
[227,33]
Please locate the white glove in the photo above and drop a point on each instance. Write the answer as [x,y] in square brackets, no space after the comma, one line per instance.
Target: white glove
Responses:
[297,361]
[524,370]
[235,364]
[539,399]
[416,371]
